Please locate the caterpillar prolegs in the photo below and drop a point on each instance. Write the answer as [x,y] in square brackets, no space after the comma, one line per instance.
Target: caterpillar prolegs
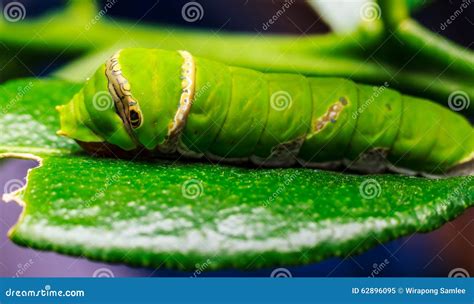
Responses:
[164,103]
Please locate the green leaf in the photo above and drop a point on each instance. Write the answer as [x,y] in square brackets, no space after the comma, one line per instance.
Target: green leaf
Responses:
[28,119]
[162,213]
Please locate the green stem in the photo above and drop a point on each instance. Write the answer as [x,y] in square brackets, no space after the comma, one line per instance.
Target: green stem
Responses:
[435,47]
[349,55]
[84,8]
[413,38]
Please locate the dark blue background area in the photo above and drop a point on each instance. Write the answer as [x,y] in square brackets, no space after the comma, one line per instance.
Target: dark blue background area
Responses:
[432,254]
[247,16]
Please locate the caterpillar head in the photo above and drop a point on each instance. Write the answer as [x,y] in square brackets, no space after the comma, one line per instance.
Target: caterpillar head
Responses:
[130,102]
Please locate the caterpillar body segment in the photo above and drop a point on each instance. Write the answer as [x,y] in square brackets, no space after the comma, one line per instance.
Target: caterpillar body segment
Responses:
[210,106]
[331,121]
[170,103]
[378,125]
[246,116]
[288,120]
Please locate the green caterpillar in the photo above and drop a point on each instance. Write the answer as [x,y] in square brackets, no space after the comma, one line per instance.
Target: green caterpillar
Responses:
[163,103]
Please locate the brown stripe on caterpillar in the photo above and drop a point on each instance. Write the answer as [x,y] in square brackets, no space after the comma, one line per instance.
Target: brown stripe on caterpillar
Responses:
[188,77]
[331,115]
